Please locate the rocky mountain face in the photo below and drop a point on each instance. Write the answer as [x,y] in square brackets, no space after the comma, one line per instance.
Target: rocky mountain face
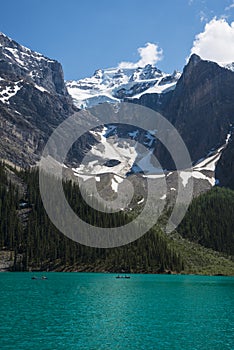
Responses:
[201,106]
[33,101]
[225,167]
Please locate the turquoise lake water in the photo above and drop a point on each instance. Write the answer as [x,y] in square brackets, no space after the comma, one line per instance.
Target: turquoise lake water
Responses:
[98,311]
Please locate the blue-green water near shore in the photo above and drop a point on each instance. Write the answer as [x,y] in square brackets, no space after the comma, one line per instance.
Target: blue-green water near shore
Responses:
[98,311]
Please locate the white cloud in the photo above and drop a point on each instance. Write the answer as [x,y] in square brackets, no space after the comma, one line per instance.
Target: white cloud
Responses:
[203,16]
[228,8]
[216,42]
[149,54]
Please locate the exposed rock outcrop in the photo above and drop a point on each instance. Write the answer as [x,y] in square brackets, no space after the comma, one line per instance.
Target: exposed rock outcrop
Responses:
[33,101]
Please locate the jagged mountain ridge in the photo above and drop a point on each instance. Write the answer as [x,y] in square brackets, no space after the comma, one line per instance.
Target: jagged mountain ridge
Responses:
[33,101]
[19,61]
[115,84]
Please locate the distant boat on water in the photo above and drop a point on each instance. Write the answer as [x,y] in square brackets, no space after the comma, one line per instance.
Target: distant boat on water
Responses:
[39,278]
[122,276]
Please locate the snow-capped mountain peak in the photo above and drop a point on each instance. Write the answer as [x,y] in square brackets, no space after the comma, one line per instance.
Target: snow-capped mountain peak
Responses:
[115,84]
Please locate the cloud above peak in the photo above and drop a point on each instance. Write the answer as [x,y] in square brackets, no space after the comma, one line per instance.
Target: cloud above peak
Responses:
[149,54]
[230,7]
[215,43]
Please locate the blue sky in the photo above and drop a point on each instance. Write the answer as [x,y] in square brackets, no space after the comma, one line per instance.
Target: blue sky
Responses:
[85,35]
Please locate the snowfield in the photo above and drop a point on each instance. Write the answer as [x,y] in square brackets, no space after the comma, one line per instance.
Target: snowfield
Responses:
[113,84]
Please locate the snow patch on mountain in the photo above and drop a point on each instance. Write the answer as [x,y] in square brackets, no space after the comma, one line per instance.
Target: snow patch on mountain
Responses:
[112,148]
[205,168]
[141,201]
[120,156]
[8,91]
[229,66]
[123,157]
[114,185]
[21,54]
[40,88]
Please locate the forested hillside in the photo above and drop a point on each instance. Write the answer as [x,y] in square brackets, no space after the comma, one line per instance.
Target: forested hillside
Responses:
[210,220]
[203,242]
[43,247]
[10,227]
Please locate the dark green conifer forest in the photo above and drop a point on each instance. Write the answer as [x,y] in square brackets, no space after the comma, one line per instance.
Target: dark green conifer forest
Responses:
[25,229]
[44,247]
[210,220]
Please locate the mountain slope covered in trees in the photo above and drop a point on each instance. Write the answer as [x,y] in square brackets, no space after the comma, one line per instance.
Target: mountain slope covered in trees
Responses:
[44,247]
[210,220]
[36,244]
